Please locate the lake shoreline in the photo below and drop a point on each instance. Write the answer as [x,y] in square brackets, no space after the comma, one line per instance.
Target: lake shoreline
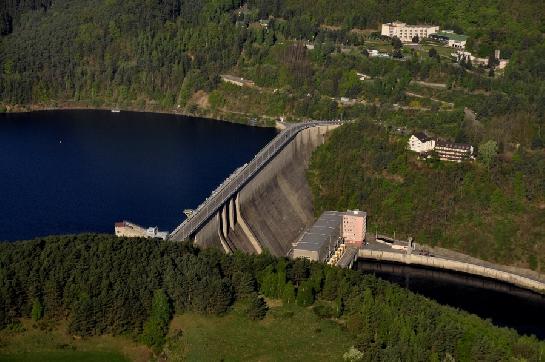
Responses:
[74,106]
[142,167]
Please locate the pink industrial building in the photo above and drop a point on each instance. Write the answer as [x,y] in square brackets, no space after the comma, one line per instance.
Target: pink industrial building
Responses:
[354,227]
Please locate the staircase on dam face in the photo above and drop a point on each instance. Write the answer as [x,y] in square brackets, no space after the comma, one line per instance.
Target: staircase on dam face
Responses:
[272,207]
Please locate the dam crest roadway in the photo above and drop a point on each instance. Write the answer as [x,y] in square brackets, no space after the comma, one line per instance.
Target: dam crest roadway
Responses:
[224,203]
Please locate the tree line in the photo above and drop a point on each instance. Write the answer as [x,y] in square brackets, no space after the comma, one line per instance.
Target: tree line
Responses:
[104,284]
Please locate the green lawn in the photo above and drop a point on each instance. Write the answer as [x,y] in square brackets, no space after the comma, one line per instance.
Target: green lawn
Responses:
[55,344]
[380,45]
[443,51]
[64,356]
[286,334]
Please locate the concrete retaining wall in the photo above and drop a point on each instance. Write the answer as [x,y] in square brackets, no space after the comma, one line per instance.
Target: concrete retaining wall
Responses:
[208,234]
[275,206]
[458,266]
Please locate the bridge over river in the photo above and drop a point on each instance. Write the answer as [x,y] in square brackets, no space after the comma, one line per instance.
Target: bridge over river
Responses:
[226,192]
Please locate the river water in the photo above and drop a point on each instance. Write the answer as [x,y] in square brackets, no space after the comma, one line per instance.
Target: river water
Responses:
[504,304]
[77,171]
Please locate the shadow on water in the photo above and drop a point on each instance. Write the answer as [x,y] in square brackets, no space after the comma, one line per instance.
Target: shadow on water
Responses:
[504,304]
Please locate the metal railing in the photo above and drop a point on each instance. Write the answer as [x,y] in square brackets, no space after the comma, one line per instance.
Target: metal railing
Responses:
[239,178]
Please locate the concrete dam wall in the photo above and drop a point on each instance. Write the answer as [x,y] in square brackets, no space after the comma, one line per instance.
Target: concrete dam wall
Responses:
[273,208]
[454,265]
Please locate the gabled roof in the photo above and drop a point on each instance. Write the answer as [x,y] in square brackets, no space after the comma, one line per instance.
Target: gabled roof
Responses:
[422,137]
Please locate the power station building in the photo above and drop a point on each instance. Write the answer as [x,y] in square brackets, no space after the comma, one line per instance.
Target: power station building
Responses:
[332,229]
[354,227]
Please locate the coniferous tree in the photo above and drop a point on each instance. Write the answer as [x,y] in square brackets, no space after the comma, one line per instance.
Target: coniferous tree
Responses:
[329,292]
[280,276]
[37,310]
[244,283]
[305,294]
[257,308]
[269,283]
[288,293]
[128,291]
[83,320]
[156,327]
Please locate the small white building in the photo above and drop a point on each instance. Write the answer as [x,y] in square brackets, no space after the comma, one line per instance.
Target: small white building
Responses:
[373,53]
[362,76]
[153,232]
[132,230]
[449,37]
[406,32]
[466,56]
[502,64]
[421,143]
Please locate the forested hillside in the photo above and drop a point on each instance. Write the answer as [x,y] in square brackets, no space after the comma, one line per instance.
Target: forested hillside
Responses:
[104,284]
[303,57]
[491,208]
[158,55]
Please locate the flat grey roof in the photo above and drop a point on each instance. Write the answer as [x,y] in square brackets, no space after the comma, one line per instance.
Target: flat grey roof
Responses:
[326,228]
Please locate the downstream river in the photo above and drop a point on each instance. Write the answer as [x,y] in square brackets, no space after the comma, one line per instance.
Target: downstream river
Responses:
[77,171]
[504,304]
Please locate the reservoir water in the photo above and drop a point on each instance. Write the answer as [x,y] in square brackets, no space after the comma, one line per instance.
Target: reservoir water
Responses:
[79,171]
[505,305]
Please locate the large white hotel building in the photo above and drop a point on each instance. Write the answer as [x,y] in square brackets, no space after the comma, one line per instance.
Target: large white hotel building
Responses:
[406,32]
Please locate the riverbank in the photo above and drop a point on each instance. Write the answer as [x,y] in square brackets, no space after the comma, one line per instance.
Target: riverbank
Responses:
[440,259]
[512,306]
[220,115]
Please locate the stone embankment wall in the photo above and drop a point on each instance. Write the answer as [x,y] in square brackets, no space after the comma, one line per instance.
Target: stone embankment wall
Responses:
[454,265]
[273,208]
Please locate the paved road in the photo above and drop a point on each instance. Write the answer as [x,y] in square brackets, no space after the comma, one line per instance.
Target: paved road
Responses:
[239,178]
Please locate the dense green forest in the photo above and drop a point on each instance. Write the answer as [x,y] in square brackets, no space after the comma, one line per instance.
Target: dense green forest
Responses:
[158,54]
[104,284]
[169,54]
[491,208]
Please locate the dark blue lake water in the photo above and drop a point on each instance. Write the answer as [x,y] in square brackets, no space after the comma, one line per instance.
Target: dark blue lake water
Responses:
[504,304]
[77,171]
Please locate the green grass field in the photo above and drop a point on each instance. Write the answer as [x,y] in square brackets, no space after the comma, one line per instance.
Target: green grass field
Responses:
[54,344]
[64,356]
[286,334]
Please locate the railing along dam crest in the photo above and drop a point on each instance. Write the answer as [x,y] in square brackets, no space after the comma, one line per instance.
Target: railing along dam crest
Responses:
[228,189]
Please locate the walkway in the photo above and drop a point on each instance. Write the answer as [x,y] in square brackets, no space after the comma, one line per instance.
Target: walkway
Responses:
[239,178]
